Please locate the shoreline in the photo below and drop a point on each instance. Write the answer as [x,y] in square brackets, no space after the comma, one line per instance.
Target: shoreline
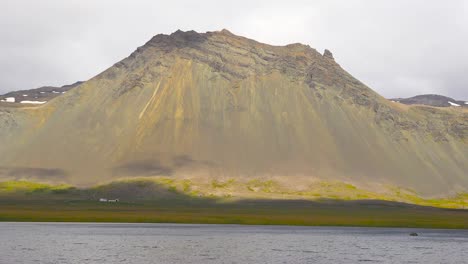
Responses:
[201,225]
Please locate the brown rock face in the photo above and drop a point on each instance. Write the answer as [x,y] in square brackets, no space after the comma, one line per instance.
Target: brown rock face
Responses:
[216,105]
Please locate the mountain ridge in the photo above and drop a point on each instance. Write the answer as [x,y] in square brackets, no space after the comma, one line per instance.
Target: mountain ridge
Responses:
[39,95]
[431,100]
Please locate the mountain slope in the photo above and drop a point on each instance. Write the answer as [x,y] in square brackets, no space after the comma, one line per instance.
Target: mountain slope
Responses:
[219,105]
[36,96]
[431,100]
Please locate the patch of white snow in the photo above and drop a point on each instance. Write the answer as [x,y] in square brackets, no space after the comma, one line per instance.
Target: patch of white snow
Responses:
[453,104]
[33,102]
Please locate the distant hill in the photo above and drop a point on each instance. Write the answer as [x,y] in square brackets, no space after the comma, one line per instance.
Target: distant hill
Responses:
[206,107]
[432,100]
[36,96]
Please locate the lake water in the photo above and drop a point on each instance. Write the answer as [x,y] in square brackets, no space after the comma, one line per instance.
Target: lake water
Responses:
[173,243]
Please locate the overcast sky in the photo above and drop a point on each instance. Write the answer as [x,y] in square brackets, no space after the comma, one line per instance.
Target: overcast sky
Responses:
[398,48]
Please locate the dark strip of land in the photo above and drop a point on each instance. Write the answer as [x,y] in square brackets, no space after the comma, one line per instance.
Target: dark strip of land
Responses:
[256,212]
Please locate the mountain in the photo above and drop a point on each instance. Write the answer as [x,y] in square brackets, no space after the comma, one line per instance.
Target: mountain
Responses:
[39,95]
[215,105]
[431,100]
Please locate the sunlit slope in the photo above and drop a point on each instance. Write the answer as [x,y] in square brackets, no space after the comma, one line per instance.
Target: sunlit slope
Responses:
[219,105]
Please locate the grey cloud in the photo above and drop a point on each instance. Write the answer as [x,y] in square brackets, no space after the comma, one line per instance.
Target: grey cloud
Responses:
[399,48]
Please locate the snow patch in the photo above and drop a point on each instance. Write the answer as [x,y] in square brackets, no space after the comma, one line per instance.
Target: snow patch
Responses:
[25,95]
[10,100]
[453,104]
[55,92]
[33,102]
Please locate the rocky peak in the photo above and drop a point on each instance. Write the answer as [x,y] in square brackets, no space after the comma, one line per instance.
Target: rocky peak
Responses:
[328,54]
[187,36]
[177,39]
[226,32]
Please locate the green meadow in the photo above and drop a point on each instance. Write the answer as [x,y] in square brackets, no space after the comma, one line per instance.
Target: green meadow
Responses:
[170,201]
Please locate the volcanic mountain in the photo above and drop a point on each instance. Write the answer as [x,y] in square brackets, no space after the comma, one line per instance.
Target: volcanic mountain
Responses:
[215,105]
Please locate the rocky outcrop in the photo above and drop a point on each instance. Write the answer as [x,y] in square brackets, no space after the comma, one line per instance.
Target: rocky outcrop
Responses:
[327,54]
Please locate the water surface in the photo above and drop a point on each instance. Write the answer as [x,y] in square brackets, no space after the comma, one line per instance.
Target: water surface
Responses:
[175,243]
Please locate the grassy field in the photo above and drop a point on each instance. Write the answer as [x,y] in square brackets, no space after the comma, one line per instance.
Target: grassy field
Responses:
[143,202]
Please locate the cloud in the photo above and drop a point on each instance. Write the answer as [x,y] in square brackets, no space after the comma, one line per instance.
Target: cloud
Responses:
[399,48]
